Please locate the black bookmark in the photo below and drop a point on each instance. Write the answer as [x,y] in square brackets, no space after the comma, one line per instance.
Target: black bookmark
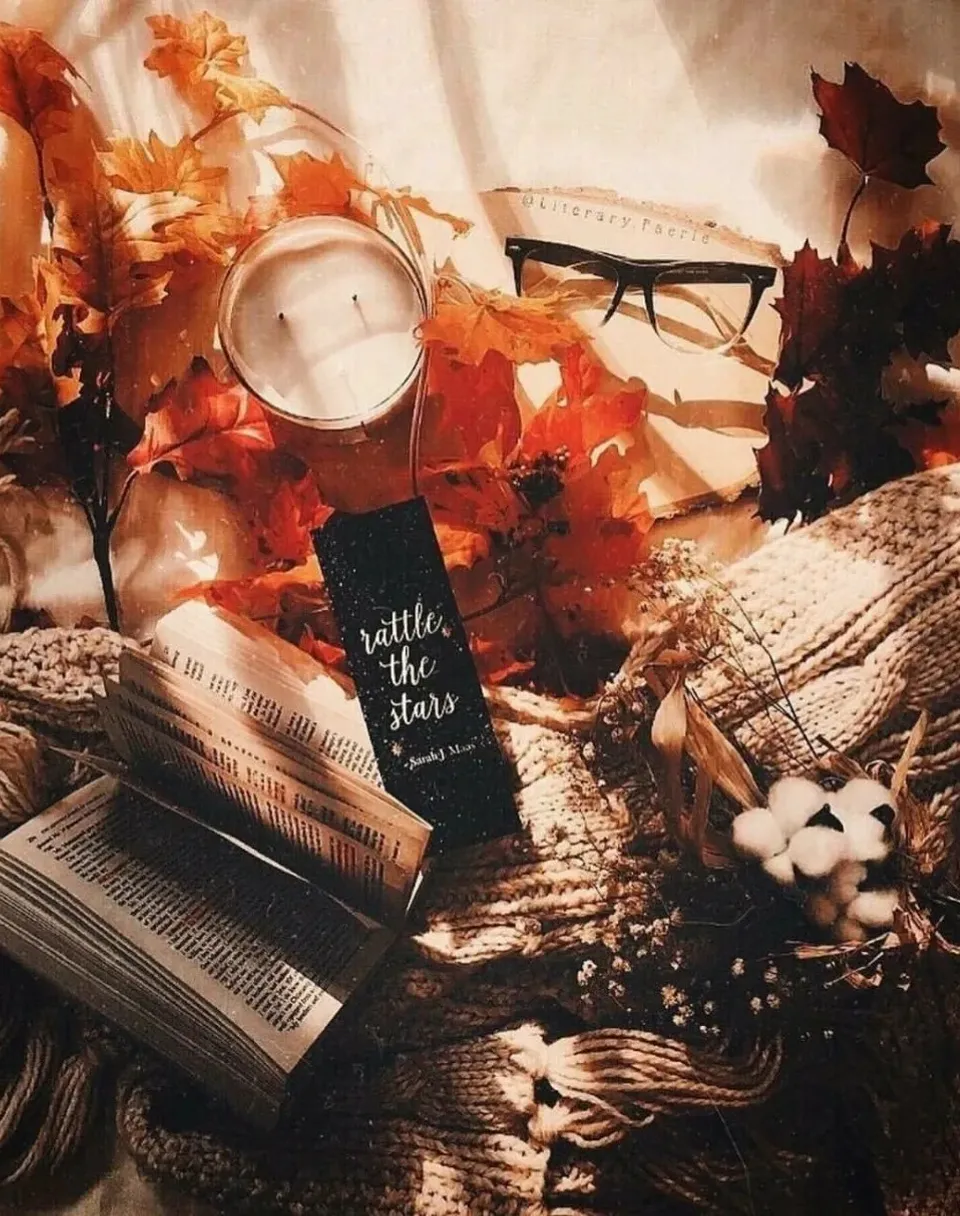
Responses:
[415,677]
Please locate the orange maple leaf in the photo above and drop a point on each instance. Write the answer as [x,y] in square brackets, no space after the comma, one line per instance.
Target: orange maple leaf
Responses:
[404,202]
[174,192]
[264,597]
[471,407]
[200,425]
[603,520]
[207,63]
[20,344]
[36,88]
[591,407]
[312,185]
[469,322]
[283,507]
[145,167]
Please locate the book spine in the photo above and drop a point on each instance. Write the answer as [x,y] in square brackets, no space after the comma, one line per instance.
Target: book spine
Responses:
[268,699]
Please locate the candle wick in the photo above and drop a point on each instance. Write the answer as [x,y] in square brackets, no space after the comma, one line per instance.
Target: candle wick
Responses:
[356,299]
[281,317]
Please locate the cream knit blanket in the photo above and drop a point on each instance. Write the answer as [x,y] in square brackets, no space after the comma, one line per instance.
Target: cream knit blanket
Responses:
[466,1102]
[857,619]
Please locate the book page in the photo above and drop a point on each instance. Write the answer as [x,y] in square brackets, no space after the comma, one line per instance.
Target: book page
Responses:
[276,952]
[256,805]
[381,820]
[268,680]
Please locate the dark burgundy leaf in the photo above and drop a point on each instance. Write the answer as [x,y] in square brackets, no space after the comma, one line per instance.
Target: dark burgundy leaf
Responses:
[882,136]
[810,308]
[922,275]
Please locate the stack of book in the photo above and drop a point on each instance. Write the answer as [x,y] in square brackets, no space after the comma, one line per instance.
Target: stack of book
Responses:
[225,889]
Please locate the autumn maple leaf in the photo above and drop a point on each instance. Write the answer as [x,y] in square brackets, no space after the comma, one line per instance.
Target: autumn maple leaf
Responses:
[171,185]
[200,425]
[263,596]
[470,322]
[920,277]
[151,165]
[881,136]
[312,185]
[591,407]
[600,520]
[283,507]
[472,412]
[36,83]
[810,308]
[20,345]
[207,63]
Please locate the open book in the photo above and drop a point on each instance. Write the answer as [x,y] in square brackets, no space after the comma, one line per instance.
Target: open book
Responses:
[225,888]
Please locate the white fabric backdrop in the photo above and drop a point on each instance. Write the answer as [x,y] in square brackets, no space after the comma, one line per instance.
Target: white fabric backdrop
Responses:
[689,102]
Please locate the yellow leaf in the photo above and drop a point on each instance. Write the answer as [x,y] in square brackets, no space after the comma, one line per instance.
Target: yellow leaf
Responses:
[714,753]
[175,194]
[207,63]
[469,322]
[669,730]
[145,168]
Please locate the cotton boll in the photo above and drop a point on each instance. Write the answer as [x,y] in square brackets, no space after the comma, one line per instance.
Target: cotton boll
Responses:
[848,930]
[845,882]
[874,909]
[821,910]
[780,869]
[757,834]
[816,851]
[794,800]
[863,796]
[865,836]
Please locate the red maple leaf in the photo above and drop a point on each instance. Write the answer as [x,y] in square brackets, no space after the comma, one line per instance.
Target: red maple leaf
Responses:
[597,525]
[471,406]
[283,507]
[200,425]
[591,407]
[882,136]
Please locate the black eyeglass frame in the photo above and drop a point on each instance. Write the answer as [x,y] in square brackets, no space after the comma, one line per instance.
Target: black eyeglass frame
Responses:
[642,273]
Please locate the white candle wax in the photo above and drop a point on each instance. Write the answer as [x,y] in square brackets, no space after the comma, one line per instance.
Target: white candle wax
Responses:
[319,320]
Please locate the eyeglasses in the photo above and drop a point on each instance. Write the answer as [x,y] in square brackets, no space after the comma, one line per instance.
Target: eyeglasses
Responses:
[691,306]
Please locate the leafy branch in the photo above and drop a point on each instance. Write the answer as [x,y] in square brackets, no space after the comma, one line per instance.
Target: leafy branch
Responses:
[832,432]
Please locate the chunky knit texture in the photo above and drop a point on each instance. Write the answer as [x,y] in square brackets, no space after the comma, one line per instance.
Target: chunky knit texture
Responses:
[857,619]
[461,1083]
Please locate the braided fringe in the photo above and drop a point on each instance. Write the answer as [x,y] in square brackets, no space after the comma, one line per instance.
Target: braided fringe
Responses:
[610,1081]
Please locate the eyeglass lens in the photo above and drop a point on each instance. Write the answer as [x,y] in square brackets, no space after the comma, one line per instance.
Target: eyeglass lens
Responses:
[687,313]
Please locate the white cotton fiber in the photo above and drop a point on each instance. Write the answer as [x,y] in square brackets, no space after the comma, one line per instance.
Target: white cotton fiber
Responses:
[792,801]
[845,881]
[757,834]
[874,909]
[816,851]
[821,910]
[848,930]
[780,869]
[861,796]
[866,837]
